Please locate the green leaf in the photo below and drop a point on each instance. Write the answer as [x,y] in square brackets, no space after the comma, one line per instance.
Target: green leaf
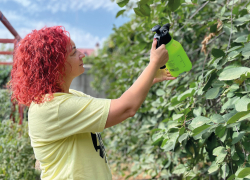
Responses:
[220,131]
[217,53]
[186,94]
[216,118]
[157,138]
[234,73]
[197,111]
[221,153]
[180,169]
[243,104]
[188,1]
[190,174]
[237,136]
[241,39]
[174,101]
[234,87]
[227,28]
[170,144]
[213,168]
[232,55]
[218,83]
[183,137]
[122,3]
[237,116]
[223,138]
[246,48]
[244,172]
[177,116]
[198,130]
[209,82]
[223,10]
[174,4]
[236,10]
[120,13]
[230,104]
[199,121]
[246,54]
[245,117]
[172,124]
[233,48]
[242,20]
[213,28]
[248,8]
[162,142]
[144,1]
[138,12]
[233,2]
[213,93]
[231,177]
[144,9]
[160,92]
[181,131]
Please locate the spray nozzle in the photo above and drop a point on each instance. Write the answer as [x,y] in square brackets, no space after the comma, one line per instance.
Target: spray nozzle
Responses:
[156,29]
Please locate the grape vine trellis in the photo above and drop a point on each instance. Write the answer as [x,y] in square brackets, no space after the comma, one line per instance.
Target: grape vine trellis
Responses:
[197,126]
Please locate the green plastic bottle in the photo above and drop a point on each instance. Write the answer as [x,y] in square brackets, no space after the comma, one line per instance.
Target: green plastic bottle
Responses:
[178,61]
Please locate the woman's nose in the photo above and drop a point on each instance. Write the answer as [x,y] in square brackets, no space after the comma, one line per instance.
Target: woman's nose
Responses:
[81,56]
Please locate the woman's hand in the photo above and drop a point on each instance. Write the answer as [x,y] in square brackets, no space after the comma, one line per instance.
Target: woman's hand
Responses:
[159,56]
[162,75]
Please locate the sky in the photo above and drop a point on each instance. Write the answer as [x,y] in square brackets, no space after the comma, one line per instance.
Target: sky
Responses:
[87,21]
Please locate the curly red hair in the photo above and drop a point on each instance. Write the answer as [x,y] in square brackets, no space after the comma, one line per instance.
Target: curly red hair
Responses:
[39,65]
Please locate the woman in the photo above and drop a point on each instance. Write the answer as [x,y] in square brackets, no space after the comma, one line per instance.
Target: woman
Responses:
[63,122]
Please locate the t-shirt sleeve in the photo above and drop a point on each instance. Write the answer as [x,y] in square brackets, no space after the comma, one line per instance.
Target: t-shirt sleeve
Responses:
[82,114]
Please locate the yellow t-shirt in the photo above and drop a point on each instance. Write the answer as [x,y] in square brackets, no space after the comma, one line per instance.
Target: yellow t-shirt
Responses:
[62,133]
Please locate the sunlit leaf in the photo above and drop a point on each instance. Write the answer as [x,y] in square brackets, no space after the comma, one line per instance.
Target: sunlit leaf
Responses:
[174,4]
[198,130]
[144,9]
[138,12]
[220,153]
[183,137]
[234,73]
[243,104]
[244,172]
[213,93]
[241,39]
[122,3]
[199,121]
[237,116]
[160,92]
[237,136]
[213,168]
[180,169]
[120,13]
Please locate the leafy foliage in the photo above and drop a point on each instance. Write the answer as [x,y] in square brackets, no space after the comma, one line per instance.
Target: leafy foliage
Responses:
[4,75]
[194,127]
[17,159]
[5,105]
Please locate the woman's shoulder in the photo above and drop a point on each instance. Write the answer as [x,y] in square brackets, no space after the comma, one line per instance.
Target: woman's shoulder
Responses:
[78,93]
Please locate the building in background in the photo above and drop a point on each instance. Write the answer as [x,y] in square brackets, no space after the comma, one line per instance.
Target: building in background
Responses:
[90,52]
[87,52]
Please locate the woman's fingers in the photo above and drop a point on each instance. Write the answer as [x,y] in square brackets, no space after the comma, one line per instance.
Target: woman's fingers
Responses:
[170,78]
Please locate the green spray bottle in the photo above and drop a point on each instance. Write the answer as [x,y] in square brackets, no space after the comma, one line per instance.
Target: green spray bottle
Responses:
[178,61]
